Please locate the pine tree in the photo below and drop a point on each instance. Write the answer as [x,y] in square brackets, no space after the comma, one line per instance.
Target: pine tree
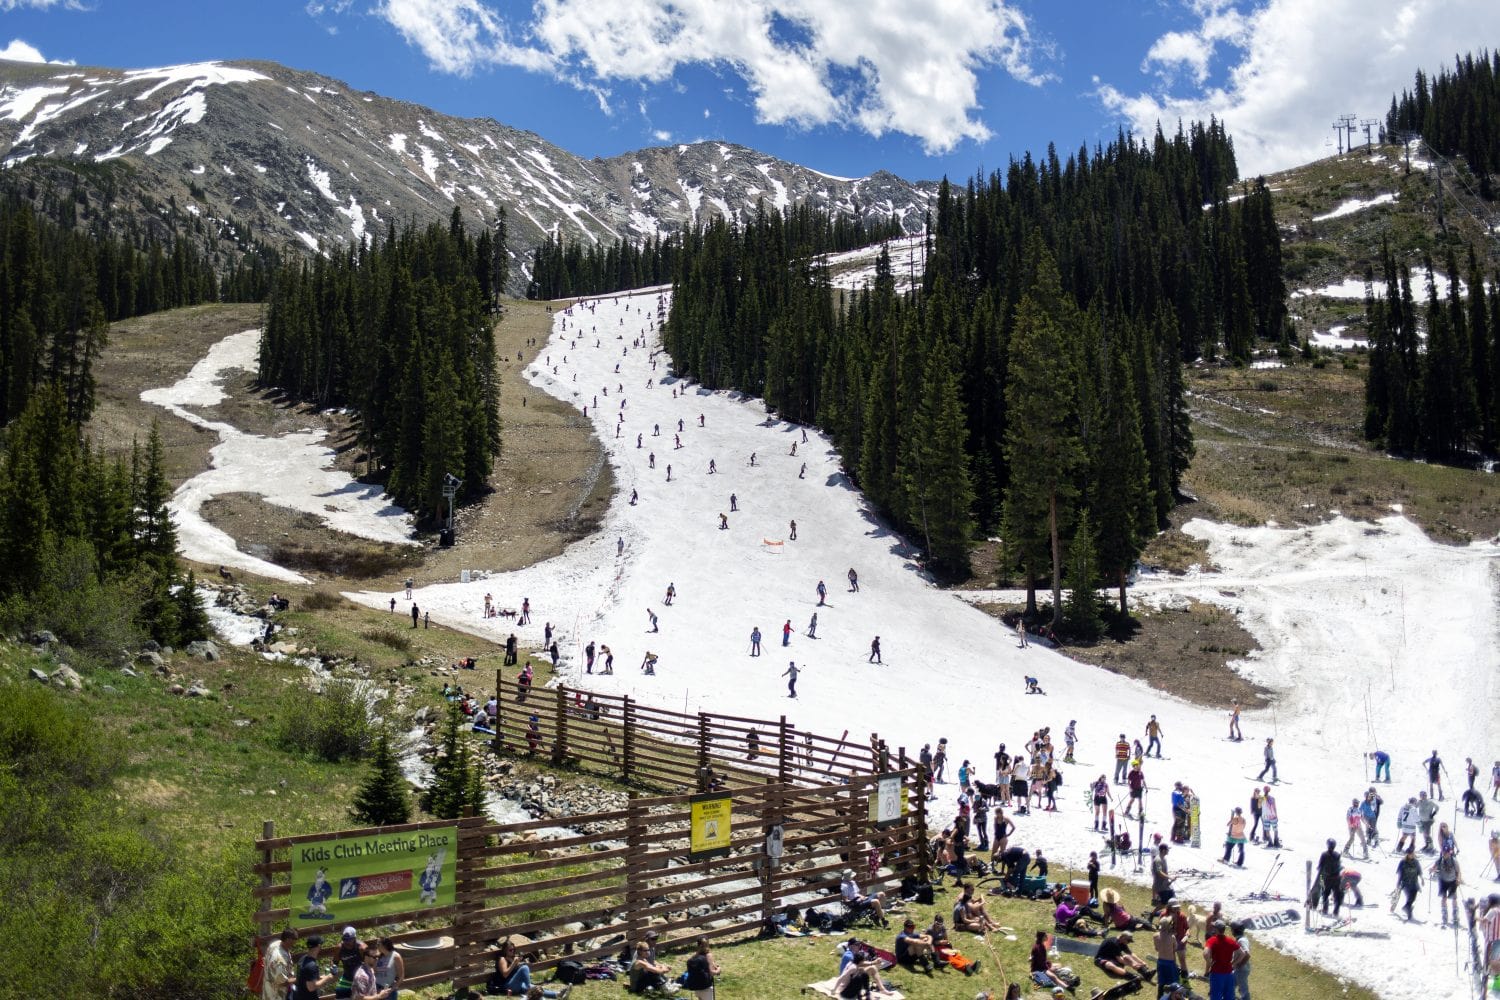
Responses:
[935,472]
[1042,446]
[1122,495]
[192,620]
[448,795]
[1084,612]
[382,800]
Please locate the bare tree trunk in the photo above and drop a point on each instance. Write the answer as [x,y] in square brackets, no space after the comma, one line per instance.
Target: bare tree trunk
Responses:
[1030,593]
[1123,610]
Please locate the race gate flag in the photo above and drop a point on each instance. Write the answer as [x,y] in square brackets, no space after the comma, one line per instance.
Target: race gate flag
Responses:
[888,801]
[710,826]
[354,877]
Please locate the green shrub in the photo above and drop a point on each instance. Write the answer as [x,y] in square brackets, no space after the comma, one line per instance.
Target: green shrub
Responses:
[321,600]
[335,726]
[398,641]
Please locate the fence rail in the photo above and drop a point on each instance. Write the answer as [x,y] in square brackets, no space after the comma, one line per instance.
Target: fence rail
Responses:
[661,748]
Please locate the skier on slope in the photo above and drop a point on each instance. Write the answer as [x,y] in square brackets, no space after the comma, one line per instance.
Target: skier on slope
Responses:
[1270,755]
[1406,821]
[822,594]
[755,641]
[1070,740]
[1153,737]
[786,633]
[812,627]
[874,650]
[1445,871]
[791,673]
[1355,821]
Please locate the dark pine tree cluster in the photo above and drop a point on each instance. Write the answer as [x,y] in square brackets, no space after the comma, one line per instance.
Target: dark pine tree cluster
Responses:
[87,542]
[1457,113]
[1439,399]
[561,270]
[1034,383]
[401,330]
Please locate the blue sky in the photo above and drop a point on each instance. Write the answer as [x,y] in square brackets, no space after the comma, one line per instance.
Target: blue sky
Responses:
[921,89]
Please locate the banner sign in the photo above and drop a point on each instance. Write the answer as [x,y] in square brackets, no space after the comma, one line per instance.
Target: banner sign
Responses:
[888,801]
[355,877]
[710,826]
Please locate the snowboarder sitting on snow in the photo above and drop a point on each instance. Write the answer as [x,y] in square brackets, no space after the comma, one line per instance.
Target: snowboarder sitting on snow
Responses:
[1033,686]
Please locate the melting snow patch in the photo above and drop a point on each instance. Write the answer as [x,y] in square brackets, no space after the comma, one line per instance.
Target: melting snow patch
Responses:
[397,143]
[319,177]
[1355,205]
[309,239]
[196,75]
[294,471]
[429,163]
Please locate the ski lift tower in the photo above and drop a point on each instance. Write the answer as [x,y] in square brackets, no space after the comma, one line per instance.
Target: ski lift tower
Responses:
[451,485]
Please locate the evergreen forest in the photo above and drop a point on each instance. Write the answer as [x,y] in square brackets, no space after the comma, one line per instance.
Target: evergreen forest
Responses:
[1457,112]
[561,270]
[1432,390]
[1033,384]
[400,329]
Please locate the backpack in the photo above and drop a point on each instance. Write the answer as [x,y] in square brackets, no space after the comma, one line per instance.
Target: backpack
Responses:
[570,972]
[924,895]
[257,976]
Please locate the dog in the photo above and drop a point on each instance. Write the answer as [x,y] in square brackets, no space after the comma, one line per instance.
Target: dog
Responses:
[988,792]
[1197,923]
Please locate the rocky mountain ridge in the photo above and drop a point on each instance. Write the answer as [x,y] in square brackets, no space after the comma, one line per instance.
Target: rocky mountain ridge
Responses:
[299,160]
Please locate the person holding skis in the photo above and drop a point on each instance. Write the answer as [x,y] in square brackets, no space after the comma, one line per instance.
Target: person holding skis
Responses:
[755,641]
[1435,770]
[791,673]
[1235,837]
[1270,754]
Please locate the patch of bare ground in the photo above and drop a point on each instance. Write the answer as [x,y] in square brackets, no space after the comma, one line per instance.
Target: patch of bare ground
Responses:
[1185,652]
[549,487]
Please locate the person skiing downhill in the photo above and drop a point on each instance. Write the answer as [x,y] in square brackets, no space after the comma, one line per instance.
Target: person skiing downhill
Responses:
[1153,737]
[1270,754]
[791,673]
[822,593]
[874,650]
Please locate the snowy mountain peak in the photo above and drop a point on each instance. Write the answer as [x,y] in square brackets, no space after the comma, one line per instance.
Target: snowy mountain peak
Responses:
[307,162]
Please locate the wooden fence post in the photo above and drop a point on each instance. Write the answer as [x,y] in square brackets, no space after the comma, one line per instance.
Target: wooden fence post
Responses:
[635,891]
[772,817]
[924,859]
[783,753]
[703,740]
[499,740]
[627,738]
[267,832]
[560,740]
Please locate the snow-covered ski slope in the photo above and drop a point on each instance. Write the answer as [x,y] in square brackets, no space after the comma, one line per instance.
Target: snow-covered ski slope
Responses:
[1366,629]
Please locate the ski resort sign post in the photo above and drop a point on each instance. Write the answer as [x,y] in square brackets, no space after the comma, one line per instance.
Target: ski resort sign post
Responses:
[356,877]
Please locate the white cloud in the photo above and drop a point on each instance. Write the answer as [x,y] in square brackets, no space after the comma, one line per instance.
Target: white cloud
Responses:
[22,51]
[1293,67]
[662,135]
[866,63]
[41,4]
[19,51]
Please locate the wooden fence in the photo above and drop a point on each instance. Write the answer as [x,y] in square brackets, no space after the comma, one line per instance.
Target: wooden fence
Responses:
[587,891]
[659,748]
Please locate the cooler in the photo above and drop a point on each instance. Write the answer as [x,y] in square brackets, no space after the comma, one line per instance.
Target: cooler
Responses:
[1080,891]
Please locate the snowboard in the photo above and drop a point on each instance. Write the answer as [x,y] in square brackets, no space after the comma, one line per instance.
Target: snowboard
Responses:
[1271,921]
[1195,832]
